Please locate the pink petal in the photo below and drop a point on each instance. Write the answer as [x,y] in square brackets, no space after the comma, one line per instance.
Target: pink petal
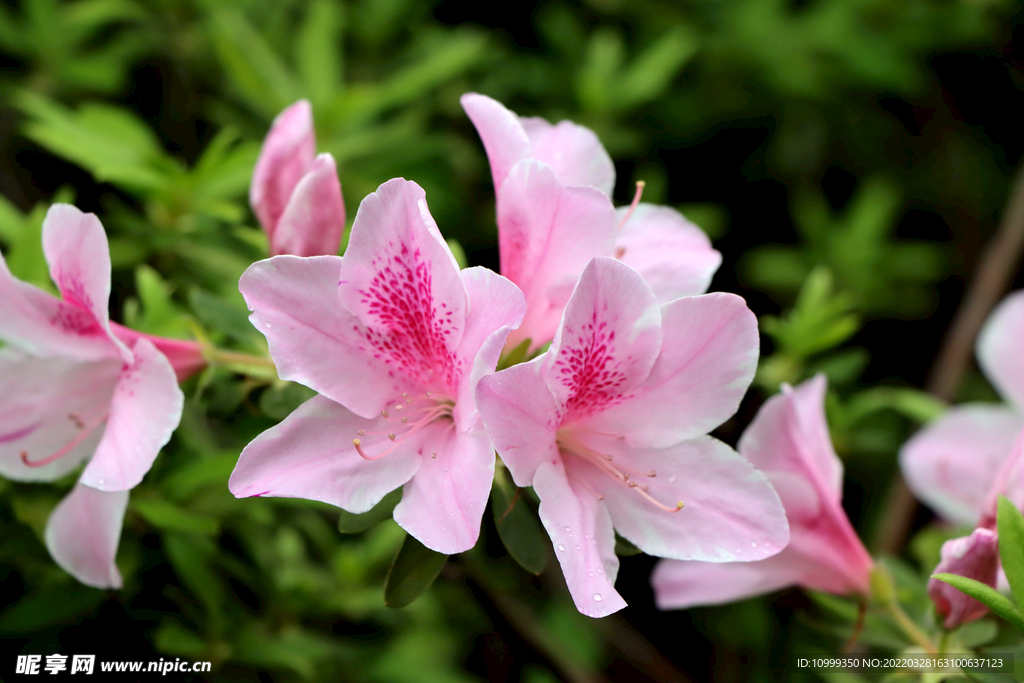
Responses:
[310,455]
[976,557]
[444,502]
[521,417]
[76,249]
[581,532]
[608,340]
[573,152]
[400,279]
[999,349]
[144,412]
[706,364]
[314,218]
[1009,482]
[287,155]
[731,513]
[47,405]
[504,138]
[495,307]
[674,256]
[680,585]
[547,234]
[951,463]
[314,341]
[185,356]
[82,535]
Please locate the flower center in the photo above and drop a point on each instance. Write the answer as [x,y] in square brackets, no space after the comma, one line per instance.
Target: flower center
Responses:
[404,419]
[84,430]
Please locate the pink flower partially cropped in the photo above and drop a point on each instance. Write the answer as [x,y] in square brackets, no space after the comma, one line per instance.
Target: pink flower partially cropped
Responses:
[71,389]
[976,557]
[552,184]
[610,428]
[788,441]
[296,194]
[394,337]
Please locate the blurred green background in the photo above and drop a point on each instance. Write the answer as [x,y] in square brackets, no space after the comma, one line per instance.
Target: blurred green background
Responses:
[850,158]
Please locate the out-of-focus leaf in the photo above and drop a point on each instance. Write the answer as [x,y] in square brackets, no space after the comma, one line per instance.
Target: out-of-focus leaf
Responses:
[173,638]
[653,69]
[458,252]
[625,548]
[1010,525]
[414,569]
[192,558]
[170,517]
[517,525]
[280,399]
[292,648]
[349,523]
[220,315]
[58,605]
[318,49]
[197,474]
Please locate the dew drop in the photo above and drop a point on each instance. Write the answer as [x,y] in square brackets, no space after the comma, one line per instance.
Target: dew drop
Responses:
[578,548]
[600,571]
[597,597]
[753,544]
[561,547]
[568,528]
[738,551]
[268,326]
[100,482]
[590,573]
[672,479]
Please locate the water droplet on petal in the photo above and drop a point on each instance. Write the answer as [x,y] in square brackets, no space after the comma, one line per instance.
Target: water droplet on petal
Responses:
[738,551]
[100,482]
[753,544]
[568,528]
[600,571]
[590,573]
[561,547]
[597,597]
[578,548]
[672,479]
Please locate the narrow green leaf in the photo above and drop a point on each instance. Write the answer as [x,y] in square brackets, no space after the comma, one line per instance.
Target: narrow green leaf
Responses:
[1010,525]
[514,356]
[318,50]
[998,603]
[414,569]
[56,605]
[170,517]
[458,252]
[517,525]
[349,523]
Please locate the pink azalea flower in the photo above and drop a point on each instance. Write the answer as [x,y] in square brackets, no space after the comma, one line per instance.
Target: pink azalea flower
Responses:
[394,338]
[553,184]
[296,194]
[976,557]
[788,441]
[71,388]
[610,428]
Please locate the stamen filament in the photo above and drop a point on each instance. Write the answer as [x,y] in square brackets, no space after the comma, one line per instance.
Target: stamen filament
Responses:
[636,200]
[70,445]
[603,462]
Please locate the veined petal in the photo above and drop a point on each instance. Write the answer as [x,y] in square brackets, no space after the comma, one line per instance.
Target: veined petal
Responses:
[83,532]
[48,405]
[521,417]
[672,254]
[443,503]
[951,463]
[400,279]
[731,512]
[609,338]
[314,218]
[504,138]
[310,455]
[999,349]
[314,341]
[705,367]
[77,252]
[680,585]
[144,412]
[573,151]
[547,233]
[581,531]
[286,156]
[496,306]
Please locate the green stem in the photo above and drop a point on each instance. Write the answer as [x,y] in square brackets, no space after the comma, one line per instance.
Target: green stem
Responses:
[884,591]
[235,358]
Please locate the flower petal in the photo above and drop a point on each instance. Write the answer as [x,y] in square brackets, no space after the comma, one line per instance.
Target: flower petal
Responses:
[400,279]
[444,502]
[185,356]
[999,349]
[731,512]
[581,531]
[47,405]
[83,532]
[680,585]
[951,463]
[976,557]
[697,382]
[609,338]
[286,156]
[314,218]
[496,306]
[144,412]
[504,138]
[672,254]
[314,341]
[573,151]
[547,233]
[310,455]
[521,416]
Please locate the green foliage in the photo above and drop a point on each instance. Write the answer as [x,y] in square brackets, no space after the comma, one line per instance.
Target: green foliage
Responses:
[414,569]
[517,525]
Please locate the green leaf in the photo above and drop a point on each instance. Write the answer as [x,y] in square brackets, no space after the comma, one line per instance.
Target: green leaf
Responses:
[653,70]
[986,595]
[1010,525]
[624,548]
[198,473]
[514,356]
[349,523]
[318,50]
[414,569]
[41,609]
[170,517]
[517,525]
[458,252]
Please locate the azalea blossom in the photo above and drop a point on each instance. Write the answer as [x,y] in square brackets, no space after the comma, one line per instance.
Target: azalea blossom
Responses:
[295,193]
[610,428]
[75,387]
[394,337]
[788,441]
[553,184]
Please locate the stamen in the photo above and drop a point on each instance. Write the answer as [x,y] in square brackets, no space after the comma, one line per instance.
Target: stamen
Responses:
[405,420]
[436,411]
[391,436]
[86,430]
[362,432]
[362,453]
[384,413]
[636,200]
[652,473]
[433,456]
